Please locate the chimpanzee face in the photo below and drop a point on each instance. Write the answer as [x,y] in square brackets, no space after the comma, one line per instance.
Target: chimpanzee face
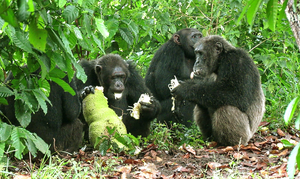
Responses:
[207,57]
[117,82]
[113,77]
[187,38]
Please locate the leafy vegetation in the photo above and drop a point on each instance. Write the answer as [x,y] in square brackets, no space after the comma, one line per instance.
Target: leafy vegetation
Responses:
[45,34]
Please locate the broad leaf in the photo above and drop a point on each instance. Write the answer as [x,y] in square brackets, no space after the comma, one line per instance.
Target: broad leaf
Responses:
[126,35]
[5,92]
[64,85]
[62,3]
[290,110]
[40,97]
[272,13]
[293,161]
[5,131]
[22,113]
[17,144]
[22,42]
[37,37]
[101,27]
[252,10]
[70,14]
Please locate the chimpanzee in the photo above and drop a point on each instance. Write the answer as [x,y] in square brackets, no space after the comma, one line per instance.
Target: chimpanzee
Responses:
[230,105]
[123,86]
[60,127]
[174,58]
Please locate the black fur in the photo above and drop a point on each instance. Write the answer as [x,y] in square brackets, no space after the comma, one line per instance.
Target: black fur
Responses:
[61,121]
[231,105]
[175,58]
[134,87]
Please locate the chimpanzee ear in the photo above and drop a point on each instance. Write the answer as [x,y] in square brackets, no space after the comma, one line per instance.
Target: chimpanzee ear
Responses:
[176,38]
[219,47]
[98,69]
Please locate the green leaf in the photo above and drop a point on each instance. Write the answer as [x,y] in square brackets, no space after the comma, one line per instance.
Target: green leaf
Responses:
[64,85]
[80,74]
[37,37]
[20,40]
[30,145]
[104,146]
[59,61]
[22,12]
[98,42]
[30,6]
[5,92]
[22,113]
[113,26]
[57,73]
[290,110]
[41,144]
[272,13]
[5,131]
[62,3]
[286,143]
[70,14]
[101,27]
[132,26]
[9,16]
[40,97]
[252,10]
[2,149]
[77,32]
[16,142]
[126,35]
[65,41]
[44,86]
[297,122]
[3,101]
[293,160]
[87,24]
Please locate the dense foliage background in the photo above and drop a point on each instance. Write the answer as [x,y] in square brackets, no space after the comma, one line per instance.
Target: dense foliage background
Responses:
[44,33]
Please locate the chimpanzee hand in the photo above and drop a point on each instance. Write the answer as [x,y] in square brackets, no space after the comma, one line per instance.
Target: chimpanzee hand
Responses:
[180,92]
[150,109]
[87,90]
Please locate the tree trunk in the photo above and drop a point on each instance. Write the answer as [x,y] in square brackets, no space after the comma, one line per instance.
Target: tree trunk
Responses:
[294,19]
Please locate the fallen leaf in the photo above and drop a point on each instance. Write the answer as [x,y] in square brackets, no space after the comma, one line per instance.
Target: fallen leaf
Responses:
[280,132]
[189,149]
[213,165]
[181,169]
[132,161]
[153,153]
[264,173]
[22,177]
[250,147]
[264,123]
[212,144]
[158,159]
[284,153]
[186,155]
[228,148]
[125,169]
[241,155]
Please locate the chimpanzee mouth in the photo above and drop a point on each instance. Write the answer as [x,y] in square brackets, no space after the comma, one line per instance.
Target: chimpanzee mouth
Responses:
[118,96]
[196,73]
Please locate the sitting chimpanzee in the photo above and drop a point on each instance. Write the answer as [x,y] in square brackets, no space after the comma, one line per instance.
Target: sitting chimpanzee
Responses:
[60,127]
[123,86]
[175,58]
[227,91]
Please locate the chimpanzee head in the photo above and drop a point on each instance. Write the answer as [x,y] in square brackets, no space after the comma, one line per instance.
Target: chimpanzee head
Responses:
[186,38]
[112,72]
[208,51]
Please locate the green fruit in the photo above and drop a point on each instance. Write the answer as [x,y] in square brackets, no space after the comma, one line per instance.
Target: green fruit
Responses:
[99,116]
